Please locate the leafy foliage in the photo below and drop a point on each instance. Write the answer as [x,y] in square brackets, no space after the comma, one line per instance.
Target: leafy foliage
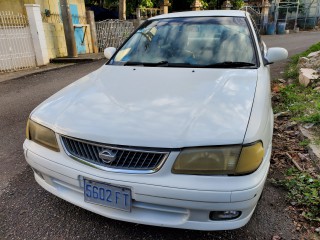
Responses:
[237,4]
[133,4]
[147,3]
[208,4]
[103,3]
[304,191]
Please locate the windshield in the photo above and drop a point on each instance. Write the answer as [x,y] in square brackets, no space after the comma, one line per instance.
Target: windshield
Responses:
[190,42]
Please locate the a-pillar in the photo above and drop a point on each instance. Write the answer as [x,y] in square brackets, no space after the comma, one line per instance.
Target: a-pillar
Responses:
[37,33]
[164,6]
[196,5]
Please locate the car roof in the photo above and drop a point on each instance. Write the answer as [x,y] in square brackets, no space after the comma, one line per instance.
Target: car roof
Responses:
[206,13]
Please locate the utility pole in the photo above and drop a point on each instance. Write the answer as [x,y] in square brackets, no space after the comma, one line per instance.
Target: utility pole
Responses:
[68,29]
[122,9]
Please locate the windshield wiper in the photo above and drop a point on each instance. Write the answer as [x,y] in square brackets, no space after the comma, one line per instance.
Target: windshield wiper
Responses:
[229,64]
[158,64]
[133,64]
[161,63]
[147,64]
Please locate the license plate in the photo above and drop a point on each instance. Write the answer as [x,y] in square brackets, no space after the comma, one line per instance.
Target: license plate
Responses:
[107,195]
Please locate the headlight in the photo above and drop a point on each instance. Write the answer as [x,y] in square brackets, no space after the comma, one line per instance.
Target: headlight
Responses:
[41,135]
[250,158]
[219,160]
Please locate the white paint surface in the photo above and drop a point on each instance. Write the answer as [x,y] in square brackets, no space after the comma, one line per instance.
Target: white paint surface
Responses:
[37,32]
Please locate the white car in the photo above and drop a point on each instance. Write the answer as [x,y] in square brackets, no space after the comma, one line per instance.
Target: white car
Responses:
[175,130]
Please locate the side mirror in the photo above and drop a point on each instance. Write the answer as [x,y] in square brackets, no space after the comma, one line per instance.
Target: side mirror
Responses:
[109,51]
[276,54]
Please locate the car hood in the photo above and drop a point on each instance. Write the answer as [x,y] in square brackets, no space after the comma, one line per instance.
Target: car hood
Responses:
[154,106]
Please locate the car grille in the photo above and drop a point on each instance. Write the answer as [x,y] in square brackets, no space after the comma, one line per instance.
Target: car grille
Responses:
[125,158]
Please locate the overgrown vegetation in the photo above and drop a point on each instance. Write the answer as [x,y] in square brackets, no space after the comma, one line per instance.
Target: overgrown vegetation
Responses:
[292,70]
[302,102]
[237,4]
[303,105]
[303,192]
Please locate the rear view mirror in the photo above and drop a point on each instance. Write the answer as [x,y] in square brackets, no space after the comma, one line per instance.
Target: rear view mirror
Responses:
[109,51]
[276,54]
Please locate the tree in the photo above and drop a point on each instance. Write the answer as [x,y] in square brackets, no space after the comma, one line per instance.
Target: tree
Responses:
[103,3]
[133,4]
[179,5]
[237,4]
[147,3]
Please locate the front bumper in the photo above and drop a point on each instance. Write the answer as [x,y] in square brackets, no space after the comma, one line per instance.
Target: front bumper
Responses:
[160,199]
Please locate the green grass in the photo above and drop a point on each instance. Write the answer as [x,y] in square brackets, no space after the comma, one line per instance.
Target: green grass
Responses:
[292,71]
[302,102]
[304,142]
[303,191]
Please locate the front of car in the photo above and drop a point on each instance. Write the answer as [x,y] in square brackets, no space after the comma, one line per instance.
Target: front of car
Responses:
[175,130]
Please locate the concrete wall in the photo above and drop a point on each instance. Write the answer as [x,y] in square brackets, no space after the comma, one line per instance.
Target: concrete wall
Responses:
[81,6]
[16,6]
[53,27]
[55,40]
[52,5]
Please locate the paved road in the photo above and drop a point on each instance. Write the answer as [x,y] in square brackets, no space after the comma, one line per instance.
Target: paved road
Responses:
[29,212]
[294,43]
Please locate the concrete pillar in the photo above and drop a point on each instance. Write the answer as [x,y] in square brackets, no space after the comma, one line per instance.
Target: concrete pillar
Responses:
[164,6]
[122,10]
[93,31]
[196,5]
[265,14]
[138,14]
[37,33]
[226,5]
